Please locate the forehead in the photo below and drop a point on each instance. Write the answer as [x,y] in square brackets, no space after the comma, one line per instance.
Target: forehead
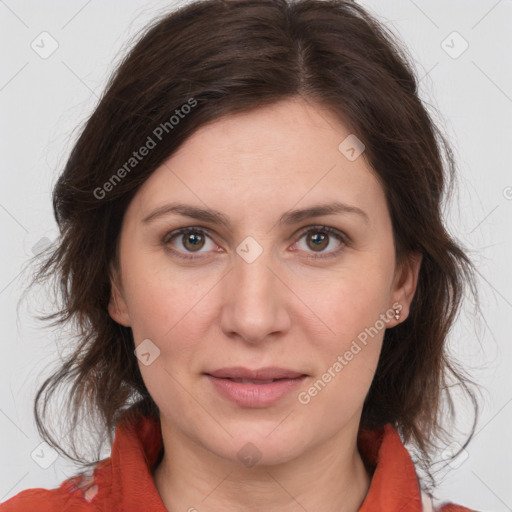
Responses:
[273,157]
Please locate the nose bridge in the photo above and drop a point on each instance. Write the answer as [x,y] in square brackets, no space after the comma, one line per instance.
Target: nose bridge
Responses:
[254,280]
[254,303]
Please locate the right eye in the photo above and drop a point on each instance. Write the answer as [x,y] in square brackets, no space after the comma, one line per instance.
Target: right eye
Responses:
[187,241]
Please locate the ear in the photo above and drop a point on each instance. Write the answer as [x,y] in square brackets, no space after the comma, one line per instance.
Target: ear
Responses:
[117,308]
[404,285]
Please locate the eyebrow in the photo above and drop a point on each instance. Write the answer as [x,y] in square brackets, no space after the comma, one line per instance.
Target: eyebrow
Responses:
[288,218]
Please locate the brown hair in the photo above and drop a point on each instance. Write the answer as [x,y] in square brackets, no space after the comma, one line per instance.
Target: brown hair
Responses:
[231,56]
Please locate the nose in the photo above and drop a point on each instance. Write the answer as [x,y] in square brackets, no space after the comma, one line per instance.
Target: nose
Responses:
[256,300]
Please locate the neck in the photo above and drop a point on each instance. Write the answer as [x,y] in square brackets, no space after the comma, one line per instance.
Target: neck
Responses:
[328,478]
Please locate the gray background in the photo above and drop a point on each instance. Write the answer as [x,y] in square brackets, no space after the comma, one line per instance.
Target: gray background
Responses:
[43,102]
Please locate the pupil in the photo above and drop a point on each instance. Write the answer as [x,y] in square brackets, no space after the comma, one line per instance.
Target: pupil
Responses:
[194,239]
[319,239]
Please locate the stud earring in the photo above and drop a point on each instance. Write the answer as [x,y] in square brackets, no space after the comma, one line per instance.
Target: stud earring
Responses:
[397,314]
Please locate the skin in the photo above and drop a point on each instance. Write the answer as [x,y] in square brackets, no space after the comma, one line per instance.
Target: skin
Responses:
[284,309]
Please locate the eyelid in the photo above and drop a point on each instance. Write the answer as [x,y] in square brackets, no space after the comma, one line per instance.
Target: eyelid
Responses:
[322,227]
[169,235]
[344,239]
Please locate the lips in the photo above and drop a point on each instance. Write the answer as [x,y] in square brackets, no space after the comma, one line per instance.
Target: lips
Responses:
[252,381]
[254,388]
[239,373]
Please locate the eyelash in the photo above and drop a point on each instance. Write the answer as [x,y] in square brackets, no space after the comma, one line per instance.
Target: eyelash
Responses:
[318,228]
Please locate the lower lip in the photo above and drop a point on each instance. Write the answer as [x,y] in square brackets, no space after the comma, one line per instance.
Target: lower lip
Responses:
[255,395]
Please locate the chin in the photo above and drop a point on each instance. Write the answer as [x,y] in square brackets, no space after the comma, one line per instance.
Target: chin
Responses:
[258,445]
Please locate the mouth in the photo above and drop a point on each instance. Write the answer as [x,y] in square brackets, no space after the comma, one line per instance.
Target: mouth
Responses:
[260,374]
[252,381]
[254,388]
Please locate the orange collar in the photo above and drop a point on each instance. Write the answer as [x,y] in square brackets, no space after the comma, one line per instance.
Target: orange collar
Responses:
[124,480]
[394,484]
[126,476]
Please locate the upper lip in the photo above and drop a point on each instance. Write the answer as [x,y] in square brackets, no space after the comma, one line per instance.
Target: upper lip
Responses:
[239,372]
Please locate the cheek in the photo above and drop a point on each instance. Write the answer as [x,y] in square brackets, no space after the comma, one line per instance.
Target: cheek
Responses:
[341,305]
[170,308]
[156,297]
[351,314]
[354,317]
[168,312]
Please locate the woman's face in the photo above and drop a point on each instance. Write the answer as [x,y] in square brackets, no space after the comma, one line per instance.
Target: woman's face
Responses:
[267,288]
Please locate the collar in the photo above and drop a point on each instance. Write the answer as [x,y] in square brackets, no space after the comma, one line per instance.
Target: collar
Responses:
[126,476]
[394,484]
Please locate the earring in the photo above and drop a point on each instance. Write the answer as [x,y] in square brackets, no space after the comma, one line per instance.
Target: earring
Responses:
[397,314]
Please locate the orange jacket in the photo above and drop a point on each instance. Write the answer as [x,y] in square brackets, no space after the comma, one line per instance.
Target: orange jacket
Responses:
[123,482]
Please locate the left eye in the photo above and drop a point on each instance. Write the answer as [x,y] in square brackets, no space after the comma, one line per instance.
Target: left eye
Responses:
[319,238]
[192,240]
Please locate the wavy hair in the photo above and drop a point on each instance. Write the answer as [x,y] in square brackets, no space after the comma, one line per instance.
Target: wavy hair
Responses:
[232,56]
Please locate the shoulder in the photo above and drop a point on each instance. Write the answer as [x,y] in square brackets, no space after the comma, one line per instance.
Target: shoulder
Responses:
[75,494]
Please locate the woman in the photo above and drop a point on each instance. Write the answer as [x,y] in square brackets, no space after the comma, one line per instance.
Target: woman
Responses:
[253,250]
